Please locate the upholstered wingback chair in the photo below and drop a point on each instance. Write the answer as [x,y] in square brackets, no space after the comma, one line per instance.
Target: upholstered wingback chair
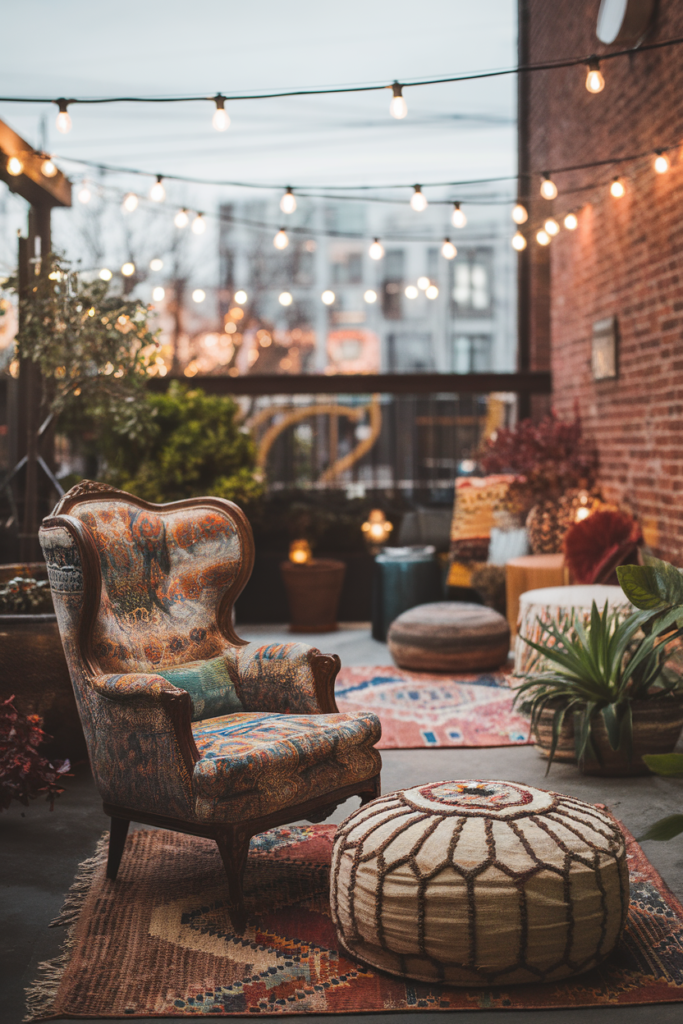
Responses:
[188,727]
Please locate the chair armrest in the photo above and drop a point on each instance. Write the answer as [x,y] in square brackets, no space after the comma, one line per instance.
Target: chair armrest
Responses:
[134,686]
[144,750]
[286,678]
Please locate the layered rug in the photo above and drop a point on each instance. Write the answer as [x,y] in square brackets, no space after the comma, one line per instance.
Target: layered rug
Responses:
[429,710]
[158,942]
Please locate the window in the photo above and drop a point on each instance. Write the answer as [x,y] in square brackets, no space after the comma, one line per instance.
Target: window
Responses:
[392,287]
[472,283]
[410,352]
[348,268]
[471,353]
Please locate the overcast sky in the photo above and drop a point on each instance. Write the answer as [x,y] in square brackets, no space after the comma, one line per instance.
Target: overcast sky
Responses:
[134,47]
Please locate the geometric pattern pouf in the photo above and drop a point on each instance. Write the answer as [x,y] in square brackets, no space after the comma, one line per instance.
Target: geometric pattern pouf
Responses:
[479,883]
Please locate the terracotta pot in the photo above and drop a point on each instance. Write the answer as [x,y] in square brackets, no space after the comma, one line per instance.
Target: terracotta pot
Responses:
[543,735]
[313,592]
[33,669]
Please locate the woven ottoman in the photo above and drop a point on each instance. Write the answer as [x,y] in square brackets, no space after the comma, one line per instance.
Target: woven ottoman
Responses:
[449,636]
[479,883]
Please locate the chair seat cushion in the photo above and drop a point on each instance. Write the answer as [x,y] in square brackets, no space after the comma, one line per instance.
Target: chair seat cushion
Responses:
[253,763]
[449,636]
[209,685]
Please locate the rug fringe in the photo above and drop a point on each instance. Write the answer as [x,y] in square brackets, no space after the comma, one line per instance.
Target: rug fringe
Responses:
[41,994]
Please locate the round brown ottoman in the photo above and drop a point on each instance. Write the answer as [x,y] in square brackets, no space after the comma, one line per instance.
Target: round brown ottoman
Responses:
[449,636]
[479,883]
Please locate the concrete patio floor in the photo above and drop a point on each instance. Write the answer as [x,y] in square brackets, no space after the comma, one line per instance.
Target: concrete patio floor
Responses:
[41,851]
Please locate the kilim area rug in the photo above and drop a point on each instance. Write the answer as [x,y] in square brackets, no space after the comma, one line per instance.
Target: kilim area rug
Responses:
[429,710]
[158,943]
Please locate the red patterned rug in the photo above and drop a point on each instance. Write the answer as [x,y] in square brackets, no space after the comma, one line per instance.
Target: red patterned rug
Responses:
[158,943]
[429,710]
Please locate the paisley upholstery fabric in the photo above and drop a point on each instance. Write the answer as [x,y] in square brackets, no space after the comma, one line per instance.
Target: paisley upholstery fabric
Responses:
[253,764]
[164,575]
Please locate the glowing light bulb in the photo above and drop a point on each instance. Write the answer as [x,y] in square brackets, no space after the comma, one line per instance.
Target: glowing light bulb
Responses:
[221,118]
[128,269]
[594,80]
[417,200]
[411,292]
[157,193]
[130,202]
[661,164]
[285,298]
[548,187]
[105,274]
[328,297]
[158,293]
[376,250]
[198,295]
[156,264]
[423,283]
[15,166]
[199,225]
[241,297]
[48,168]
[181,219]
[448,250]
[398,107]
[84,193]
[288,202]
[552,227]
[281,241]
[432,292]
[370,296]
[458,218]
[518,241]
[571,222]
[617,189]
[542,237]
[63,118]
[520,214]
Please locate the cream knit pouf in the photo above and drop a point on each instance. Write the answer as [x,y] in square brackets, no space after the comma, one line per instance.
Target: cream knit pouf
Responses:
[479,883]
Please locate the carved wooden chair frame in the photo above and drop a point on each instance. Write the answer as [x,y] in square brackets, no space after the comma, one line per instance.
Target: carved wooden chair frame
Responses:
[232,839]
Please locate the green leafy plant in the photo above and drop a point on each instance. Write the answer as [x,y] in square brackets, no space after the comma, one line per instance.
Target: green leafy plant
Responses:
[25,596]
[600,670]
[94,349]
[194,445]
[670,765]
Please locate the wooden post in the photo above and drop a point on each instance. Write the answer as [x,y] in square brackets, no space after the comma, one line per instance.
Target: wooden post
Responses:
[33,258]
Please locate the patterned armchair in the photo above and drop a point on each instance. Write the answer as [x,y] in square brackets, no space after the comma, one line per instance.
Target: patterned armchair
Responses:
[188,727]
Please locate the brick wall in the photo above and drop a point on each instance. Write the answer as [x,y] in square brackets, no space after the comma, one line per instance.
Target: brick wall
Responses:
[625,258]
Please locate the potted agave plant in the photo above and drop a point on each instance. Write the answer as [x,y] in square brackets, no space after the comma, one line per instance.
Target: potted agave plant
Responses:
[611,685]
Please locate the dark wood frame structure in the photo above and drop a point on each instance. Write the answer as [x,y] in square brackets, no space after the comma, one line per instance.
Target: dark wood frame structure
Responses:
[232,839]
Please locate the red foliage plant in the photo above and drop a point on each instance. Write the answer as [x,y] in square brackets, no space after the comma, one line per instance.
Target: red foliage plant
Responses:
[548,457]
[594,547]
[24,773]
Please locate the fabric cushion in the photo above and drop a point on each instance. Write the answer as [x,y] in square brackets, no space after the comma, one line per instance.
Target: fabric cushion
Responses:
[209,685]
[255,763]
[479,883]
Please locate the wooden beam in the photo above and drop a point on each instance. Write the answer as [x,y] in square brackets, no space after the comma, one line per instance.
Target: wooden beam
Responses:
[527,383]
[31,185]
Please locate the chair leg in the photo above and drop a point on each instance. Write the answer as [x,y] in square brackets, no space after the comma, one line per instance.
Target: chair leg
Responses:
[373,793]
[117,841]
[233,846]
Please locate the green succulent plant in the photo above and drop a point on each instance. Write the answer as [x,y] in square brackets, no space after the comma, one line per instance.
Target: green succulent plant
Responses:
[600,669]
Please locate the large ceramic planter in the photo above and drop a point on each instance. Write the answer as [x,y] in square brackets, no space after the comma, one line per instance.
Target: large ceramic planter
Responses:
[657,725]
[33,669]
[313,592]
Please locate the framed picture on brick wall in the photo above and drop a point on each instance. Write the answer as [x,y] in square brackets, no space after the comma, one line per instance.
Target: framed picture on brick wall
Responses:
[604,352]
